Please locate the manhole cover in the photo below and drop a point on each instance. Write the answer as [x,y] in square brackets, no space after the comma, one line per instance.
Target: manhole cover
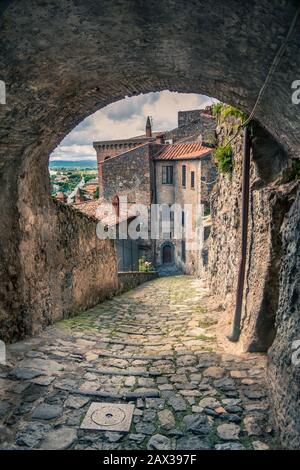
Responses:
[108,417]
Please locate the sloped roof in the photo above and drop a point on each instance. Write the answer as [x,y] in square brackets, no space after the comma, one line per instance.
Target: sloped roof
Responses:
[182,151]
[91,209]
[87,207]
[92,181]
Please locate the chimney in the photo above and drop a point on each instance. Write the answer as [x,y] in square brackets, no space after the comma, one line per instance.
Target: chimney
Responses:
[148,127]
[160,139]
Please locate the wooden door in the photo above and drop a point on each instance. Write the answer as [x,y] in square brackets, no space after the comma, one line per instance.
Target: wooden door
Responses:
[167,254]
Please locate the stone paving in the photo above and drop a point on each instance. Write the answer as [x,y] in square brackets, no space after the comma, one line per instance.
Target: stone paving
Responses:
[153,347]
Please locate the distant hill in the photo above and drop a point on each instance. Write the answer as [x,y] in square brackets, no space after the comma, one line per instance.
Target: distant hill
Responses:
[72,164]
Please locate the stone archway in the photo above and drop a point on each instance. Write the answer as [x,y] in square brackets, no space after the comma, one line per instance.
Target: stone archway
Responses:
[61,61]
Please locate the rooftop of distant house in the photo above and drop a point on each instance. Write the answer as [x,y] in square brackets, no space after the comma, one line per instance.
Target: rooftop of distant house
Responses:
[182,151]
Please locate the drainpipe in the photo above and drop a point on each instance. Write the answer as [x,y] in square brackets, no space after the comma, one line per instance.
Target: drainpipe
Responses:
[155,202]
[236,327]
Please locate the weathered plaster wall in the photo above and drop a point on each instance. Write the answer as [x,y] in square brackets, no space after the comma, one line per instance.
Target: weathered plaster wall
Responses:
[177,194]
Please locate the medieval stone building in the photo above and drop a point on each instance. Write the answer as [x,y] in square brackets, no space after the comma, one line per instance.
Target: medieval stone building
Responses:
[164,168]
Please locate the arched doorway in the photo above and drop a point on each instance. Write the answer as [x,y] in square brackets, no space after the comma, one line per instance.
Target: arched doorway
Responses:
[167,252]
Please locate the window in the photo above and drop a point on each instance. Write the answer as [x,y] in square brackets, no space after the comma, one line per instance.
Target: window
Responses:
[182,218]
[183,251]
[192,179]
[183,176]
[167,174]
[116,205]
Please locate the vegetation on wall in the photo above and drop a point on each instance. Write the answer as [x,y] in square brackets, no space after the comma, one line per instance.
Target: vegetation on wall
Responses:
[216,108]
[228,111]
[224,153]
[224,159]
[223,111]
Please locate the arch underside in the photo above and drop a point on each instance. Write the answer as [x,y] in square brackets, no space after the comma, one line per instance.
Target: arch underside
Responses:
[63,60]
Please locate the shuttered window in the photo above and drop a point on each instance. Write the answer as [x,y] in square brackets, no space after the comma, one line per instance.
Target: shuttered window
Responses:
[192,179]
[167,174]
[183,175]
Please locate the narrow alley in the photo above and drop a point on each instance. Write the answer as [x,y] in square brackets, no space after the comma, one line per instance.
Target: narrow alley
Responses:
[154,347]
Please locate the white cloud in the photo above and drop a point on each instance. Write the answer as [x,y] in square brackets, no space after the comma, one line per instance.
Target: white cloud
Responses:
[126,118]
[73,152]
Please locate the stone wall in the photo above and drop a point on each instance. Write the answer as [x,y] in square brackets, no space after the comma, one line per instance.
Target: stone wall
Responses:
[186,117]
[130,280]
[270,320]
[60,266]
[208,178]
[284,357]
[203,125]
[128,175]
[108,149]
[269,201]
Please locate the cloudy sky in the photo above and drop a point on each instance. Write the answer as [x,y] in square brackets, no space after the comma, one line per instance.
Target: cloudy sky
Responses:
[126,118]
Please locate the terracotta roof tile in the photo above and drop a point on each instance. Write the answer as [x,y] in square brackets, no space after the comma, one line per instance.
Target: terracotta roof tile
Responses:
[87,207]
[90,208]
[182,151]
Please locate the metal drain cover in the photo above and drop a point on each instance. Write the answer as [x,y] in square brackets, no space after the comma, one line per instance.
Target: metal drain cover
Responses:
[108,417]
